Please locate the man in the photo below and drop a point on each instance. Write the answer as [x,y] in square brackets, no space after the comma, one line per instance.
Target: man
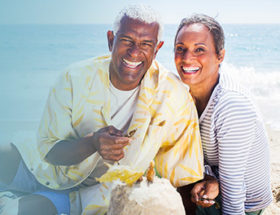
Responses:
[95,103]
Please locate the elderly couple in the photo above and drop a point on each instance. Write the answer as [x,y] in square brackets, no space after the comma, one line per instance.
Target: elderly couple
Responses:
[96,102]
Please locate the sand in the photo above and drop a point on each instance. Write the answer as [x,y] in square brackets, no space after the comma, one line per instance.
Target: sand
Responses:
[146,198]
[274,143]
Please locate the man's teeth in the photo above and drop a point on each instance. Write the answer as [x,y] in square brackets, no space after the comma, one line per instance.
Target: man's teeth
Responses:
[190,69]
[132,64]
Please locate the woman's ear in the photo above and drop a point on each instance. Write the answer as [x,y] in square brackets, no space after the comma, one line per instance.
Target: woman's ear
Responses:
[110,38]
[221,56]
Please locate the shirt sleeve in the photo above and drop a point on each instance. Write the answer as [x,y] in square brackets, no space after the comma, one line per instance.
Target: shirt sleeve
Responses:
[180,158]
[56,122]
[235,134]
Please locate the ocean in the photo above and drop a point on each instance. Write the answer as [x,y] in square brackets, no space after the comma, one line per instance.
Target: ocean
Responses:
[32,56]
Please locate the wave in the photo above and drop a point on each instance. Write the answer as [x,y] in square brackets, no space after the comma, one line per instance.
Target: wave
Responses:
[265,88]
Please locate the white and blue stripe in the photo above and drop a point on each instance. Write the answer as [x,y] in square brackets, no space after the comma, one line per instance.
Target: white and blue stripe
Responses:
[235,145]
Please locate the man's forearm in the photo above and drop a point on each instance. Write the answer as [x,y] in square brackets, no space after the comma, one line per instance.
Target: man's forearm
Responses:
[71,152]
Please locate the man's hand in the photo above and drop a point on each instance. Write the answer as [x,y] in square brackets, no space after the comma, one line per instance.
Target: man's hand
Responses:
[110,143]
[204,193]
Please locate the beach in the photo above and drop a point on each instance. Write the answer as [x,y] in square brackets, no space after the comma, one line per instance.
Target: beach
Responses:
[274,143]
[32,57]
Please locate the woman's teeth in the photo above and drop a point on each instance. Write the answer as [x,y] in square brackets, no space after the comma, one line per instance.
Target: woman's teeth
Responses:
[131,64]
[190,70]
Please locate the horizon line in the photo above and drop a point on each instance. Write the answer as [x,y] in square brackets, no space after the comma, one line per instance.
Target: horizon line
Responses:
[233,23]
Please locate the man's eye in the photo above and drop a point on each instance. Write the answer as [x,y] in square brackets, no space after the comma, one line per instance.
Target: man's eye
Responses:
[179,49]
[146,45]
[126,41]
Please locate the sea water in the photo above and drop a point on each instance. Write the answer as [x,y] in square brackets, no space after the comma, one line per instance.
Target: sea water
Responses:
[32,56]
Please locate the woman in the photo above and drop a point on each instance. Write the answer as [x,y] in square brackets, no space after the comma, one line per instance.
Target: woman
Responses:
[234,141]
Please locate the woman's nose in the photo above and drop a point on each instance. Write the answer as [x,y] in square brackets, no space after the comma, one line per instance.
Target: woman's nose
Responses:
[188,56]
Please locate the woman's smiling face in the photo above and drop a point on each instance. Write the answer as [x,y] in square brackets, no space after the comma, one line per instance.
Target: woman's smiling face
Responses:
[195,55]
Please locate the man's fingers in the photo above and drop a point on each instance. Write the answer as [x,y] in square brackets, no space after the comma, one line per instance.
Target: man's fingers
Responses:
[108,139]
[122,140]
[110,146]
[112,143]
[113,131]
[113,157]
[116,151]
[111,151]
[117,146]
[118,157]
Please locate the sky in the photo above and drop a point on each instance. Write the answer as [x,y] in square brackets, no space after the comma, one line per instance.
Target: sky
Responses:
[104,11]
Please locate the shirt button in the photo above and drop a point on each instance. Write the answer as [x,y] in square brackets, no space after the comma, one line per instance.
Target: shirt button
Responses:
[47,183]
[31,169]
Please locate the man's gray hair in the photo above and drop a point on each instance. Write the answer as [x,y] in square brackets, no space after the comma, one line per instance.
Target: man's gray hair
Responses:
[140,12]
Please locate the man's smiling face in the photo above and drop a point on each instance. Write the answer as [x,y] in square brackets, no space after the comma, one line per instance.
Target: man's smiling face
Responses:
[133,49]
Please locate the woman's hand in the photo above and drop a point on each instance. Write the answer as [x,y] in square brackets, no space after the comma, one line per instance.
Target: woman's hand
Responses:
[204,193]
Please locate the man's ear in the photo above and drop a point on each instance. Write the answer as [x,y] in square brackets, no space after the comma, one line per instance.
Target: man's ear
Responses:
[159,45]
[110,38]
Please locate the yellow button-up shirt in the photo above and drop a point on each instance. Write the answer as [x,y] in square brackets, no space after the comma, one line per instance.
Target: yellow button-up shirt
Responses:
[165,120]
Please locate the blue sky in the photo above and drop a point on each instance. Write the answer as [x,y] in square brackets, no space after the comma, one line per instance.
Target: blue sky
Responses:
[104,11]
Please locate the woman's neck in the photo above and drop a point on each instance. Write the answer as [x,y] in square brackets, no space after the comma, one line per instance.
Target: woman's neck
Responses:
[202,94]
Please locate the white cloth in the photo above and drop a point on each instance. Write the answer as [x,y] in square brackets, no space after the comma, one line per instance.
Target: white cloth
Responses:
[123,104]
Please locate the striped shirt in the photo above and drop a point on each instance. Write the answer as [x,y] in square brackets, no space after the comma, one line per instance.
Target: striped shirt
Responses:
[235,145]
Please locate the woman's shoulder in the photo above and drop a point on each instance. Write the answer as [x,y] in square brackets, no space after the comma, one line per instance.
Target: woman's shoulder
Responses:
[233,98]
[231,90]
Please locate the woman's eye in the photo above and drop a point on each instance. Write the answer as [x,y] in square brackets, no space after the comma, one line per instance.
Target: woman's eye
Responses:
[199,50]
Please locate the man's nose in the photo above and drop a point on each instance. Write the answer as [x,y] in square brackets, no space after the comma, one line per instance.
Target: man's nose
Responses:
[134,50]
